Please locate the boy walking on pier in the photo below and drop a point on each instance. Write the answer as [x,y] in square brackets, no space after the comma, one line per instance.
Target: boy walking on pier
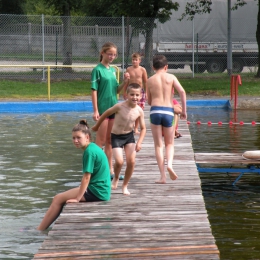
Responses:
[122,135]
[137,75]
[160,87]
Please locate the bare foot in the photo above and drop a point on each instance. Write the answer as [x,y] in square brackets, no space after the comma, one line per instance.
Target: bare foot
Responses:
[114,183]
[161,181]
[125,190]
[172,174]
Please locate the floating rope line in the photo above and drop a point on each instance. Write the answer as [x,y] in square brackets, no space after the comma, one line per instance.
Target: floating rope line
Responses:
[209,123]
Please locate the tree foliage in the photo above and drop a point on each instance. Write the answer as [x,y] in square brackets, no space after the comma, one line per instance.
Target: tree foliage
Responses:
[147,12]
[204,6]
[12,6]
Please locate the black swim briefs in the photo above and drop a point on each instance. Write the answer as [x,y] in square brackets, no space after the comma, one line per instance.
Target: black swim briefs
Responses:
[122,140]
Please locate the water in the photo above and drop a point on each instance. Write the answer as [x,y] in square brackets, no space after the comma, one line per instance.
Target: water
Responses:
[234,211]
[38,160]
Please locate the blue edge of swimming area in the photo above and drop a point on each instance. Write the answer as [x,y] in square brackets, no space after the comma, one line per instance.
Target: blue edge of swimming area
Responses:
[86,106]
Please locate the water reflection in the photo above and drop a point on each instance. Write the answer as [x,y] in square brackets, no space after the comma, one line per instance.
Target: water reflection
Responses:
[233,210]
[38,160]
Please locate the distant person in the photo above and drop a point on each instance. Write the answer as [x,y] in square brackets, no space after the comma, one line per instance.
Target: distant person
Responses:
[177,110]
[105,88]
[122,136]
[138,75]
[176,119]
[95,183]
[159,88]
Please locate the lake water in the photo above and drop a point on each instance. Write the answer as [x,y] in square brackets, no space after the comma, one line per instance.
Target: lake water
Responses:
[38,160]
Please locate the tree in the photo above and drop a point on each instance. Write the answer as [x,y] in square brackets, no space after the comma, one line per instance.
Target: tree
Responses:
[64,8]
[11,6]
[145,11]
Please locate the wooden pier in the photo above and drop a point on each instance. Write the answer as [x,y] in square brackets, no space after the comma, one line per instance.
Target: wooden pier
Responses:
[226,163]
[157,221]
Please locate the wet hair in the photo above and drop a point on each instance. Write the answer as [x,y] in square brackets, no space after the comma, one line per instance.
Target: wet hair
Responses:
[159,61]
[136,55]
[133,86]
[83,127]
[107,46]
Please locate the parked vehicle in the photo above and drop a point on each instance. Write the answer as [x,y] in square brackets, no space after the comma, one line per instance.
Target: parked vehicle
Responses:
[207,55]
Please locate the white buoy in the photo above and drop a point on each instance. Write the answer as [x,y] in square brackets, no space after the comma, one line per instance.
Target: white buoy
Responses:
[251,155]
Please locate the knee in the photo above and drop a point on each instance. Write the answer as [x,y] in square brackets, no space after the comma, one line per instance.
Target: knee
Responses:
[130,163]
[119,162]
[57,199]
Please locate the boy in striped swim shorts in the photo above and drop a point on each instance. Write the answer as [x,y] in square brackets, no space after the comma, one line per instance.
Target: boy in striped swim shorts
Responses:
[160,87]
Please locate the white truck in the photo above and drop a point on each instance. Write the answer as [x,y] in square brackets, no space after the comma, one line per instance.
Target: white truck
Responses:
[174,38]
[207,55]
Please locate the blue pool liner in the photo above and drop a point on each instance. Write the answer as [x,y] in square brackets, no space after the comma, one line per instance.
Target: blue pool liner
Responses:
[78,106]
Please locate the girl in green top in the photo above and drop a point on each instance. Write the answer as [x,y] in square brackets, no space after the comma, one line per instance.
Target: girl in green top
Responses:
[105,88]
[95,184]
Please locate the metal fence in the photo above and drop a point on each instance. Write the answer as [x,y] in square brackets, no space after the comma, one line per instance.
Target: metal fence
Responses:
[54,40]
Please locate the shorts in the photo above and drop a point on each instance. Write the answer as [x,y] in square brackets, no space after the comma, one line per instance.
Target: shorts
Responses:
[122,140]
[110,117]
[162,116]
[141,102]
[90,197]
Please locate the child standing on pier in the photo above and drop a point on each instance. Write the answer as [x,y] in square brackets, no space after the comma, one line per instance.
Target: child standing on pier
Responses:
[122,136]
[159,88]
[95,184]
[138,75]
[105,88]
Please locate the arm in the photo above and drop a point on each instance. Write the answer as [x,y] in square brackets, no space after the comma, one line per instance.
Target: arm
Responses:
[106,114]
[149,97]
[124,83]
[83,187]
[177,85]
[94,104]
[144,79]
[142,132]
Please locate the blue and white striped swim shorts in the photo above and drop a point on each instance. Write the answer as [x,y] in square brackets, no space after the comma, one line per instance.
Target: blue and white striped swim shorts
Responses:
[162,116]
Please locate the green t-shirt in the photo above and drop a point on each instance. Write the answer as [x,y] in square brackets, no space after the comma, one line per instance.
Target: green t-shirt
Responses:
[95,162]
[104,81]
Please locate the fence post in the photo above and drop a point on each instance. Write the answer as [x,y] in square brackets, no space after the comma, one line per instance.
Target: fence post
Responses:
[96,37]
[49,82]
[234,82]
[29,38]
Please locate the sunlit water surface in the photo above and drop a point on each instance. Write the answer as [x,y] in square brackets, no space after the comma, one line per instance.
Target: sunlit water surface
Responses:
[38,160]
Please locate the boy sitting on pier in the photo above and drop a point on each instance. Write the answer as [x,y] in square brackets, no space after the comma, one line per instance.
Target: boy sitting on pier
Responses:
[122,135]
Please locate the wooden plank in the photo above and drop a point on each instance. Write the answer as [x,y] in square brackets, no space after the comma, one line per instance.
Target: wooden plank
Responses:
[157,221]
[224,159]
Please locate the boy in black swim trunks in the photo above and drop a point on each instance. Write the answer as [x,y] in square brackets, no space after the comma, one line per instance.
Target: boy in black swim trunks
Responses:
[122,134]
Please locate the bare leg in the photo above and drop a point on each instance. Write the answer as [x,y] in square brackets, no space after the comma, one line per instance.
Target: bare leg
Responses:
[119,161]
[56,206]
[158,146]
[169,150]
[103,138]
[108,147]
[130,154]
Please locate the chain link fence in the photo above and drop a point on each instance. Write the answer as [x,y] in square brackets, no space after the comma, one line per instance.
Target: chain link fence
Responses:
[54,40]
